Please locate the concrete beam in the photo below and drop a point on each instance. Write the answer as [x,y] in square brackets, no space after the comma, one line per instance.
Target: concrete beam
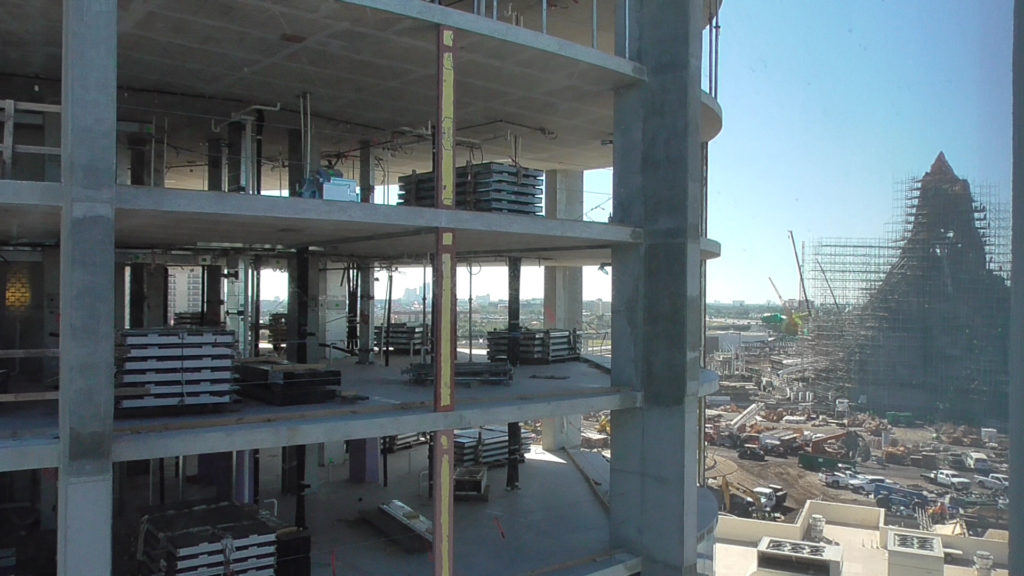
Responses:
[29,454]
[42,194]
[337,425]
[199,208]
[88,170]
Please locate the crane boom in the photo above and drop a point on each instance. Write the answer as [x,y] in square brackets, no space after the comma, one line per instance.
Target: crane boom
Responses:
[800,274]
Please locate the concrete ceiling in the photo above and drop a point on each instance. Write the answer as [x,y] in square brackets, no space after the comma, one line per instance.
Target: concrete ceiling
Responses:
[371,74]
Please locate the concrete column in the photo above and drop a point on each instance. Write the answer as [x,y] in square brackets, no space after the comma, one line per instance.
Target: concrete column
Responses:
[244,466]
[270,473]
[366,172]
[214,164]
[1016,354]
[304,308]
[214,296]
[296,167]
[155,295]
[563,285]
[364,460]
[88,173]
[515,264]
[562,432]
[657,332]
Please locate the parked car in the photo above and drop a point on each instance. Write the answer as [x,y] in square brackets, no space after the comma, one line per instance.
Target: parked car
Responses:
[751,453]
[866,484]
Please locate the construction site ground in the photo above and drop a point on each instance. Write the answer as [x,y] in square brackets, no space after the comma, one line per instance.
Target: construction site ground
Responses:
[803,485]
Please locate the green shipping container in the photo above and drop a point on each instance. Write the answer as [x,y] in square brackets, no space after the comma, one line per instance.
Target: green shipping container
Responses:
[817,462]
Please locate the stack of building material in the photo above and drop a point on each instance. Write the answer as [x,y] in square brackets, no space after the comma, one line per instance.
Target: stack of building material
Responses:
[406,527]
[411,338]
[487,446]
[466,373]
[487,187]
[182,319]
[285,384]
[401,441]
[535,346]
[205,539]
[175,367]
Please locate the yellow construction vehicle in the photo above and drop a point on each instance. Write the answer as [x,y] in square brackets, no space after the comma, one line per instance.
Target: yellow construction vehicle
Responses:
[759,502]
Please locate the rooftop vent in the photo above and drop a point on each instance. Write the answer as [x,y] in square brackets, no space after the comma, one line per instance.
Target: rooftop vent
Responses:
[914,554]
[983,563]
[817,528]
[778,556]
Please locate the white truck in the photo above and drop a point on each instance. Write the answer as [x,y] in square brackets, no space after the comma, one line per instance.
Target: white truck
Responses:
[836,478]
[948,479]
[993,481]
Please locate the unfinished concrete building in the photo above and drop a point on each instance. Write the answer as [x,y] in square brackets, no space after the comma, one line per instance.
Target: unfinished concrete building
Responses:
[242,135]
[918,322]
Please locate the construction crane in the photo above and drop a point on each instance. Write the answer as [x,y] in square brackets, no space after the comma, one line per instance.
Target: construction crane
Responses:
[794,321]
[800,274]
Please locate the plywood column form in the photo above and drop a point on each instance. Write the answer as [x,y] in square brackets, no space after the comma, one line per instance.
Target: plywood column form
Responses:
[563,285]
[88,170]
[444,307]
[1017,299]
[656,287]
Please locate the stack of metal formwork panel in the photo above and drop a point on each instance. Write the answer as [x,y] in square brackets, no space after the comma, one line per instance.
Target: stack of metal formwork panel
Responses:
[400,441]
[167,367]
[486,187]
[485,446]
[404,337]
[535,346]
[188,319]
[206,540]
[466,373]
[285,384]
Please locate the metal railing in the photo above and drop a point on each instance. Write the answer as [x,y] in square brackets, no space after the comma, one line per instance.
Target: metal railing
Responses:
[9,110]
[505,10]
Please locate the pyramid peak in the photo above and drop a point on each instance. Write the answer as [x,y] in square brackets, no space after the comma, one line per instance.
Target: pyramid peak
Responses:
[941,167]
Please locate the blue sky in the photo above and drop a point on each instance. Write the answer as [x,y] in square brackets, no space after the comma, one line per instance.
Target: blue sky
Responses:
[827,104]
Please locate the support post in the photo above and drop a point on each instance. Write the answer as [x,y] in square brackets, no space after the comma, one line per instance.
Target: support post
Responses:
[658,187]
[88,173]
[444,306]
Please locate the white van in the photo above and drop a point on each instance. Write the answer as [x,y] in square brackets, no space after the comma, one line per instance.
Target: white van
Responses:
[977,461]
